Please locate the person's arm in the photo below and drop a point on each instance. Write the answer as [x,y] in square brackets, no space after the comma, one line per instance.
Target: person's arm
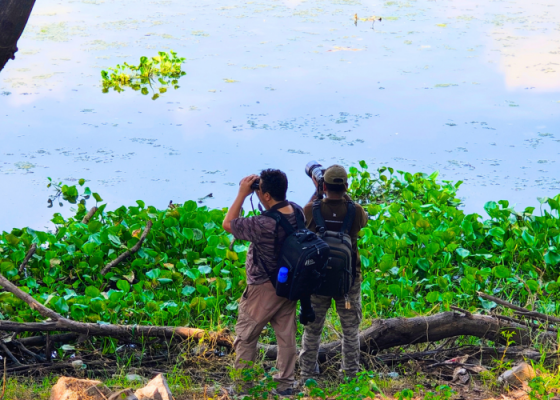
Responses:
[316,193]
[235,209]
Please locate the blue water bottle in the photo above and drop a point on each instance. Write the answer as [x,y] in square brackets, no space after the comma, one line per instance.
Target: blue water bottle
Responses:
[283,275]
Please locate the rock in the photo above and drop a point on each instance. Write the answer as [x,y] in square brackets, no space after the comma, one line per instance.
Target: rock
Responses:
[156,389]
[125,394]
[78,365]
[79,389]
[135,378]
[461,375]
[518,375]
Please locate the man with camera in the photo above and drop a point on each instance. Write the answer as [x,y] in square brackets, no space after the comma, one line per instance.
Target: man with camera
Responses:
[338,220]
[259,303]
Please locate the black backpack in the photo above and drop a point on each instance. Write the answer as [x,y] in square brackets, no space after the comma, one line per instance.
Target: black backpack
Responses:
[303,253]
[340,270]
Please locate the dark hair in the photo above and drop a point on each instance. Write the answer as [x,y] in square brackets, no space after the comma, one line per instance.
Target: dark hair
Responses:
[335,188]
[275,182]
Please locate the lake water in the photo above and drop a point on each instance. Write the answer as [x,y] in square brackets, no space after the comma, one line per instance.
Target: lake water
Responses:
[469,88]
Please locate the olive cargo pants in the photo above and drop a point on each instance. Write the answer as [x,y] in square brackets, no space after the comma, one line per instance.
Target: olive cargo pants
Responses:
[260,305]
[349,320]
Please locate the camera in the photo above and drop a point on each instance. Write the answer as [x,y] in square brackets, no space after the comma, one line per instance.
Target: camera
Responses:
[256,185]
[315,170]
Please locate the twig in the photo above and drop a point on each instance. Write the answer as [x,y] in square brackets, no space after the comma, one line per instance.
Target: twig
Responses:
[448,364]
[529,324]
[4,384]
[127,253]
[88,216]
[28,352]
[27,257]
[537,315]
[9,353]
[526,312]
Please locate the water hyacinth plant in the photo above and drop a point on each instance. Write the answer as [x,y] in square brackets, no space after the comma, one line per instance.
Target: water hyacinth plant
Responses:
[164,69]
[420,254]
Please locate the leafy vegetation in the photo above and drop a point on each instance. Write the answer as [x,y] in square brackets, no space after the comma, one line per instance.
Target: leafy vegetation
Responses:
[164,69]
[419,253]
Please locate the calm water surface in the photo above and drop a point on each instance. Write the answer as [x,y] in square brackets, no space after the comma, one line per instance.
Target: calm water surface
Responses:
[469,88]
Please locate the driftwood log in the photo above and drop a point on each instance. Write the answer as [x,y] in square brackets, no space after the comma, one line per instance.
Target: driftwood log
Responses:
[14,15]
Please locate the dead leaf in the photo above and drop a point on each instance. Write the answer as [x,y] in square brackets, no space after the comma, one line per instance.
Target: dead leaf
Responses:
[136,233]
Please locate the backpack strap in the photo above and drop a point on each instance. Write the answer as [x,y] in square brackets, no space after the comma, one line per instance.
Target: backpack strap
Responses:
[318,217]
[349,218]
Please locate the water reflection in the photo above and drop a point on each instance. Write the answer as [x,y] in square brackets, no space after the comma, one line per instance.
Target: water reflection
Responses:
[465,87]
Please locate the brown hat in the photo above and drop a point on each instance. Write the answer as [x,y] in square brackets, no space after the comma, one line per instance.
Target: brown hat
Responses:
[336,175]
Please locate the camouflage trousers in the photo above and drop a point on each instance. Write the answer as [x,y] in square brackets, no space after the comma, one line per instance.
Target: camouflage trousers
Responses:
[349,320]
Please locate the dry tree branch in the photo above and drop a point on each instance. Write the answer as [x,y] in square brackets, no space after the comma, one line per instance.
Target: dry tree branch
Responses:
[520,310]
[128,253]
[90,214]
[27,257]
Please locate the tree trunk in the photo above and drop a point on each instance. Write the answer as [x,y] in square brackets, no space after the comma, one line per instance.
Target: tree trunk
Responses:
[14,15]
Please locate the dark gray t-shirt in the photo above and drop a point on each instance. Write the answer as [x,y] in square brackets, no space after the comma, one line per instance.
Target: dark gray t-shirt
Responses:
[260,230]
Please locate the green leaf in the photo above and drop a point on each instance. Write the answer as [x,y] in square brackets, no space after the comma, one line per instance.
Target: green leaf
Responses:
[123,285]
[188,290]
[61,306]
[533,285]
[11,239]
[89,248]
[115,240]
[463,253]
[552,257]
[81,182]
[198,302]
[153,273]
[500,271]
[97,197]
[497,232]
[423,264]
[203,290]
[528,238]
[204,269]
[92,291]
[432,297]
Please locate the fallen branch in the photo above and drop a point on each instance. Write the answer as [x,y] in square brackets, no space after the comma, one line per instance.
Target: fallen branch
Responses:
[9,353]
[59,323]
[90,214]
[34,304]
[42,340]
[27,257]
[393,332]
[526,323]
[523,311]
[127,253]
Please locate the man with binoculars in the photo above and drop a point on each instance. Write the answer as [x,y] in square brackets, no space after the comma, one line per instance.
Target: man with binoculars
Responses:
[338,220]
[259,303]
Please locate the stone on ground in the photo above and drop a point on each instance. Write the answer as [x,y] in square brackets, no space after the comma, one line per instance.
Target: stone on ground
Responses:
[518,375]
[156,389]
[79,389]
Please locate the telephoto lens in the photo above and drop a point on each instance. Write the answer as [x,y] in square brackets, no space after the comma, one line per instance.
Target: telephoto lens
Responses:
[314,169]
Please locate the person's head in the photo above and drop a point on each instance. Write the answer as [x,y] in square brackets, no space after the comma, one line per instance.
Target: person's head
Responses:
[273,187]
[335,181]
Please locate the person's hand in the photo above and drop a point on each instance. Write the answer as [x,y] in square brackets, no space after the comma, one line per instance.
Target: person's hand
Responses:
[245,185]
[315,182]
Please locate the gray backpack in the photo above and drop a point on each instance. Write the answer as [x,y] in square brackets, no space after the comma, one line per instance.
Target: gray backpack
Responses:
[340,270]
